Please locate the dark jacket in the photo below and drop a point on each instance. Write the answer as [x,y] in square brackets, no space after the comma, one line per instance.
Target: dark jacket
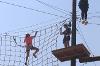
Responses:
[83,5]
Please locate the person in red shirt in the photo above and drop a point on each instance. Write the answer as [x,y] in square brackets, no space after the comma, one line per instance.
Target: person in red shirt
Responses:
[29,46]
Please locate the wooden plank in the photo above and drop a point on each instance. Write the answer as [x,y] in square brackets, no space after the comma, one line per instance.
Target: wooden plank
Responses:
[65,54]
[89,59]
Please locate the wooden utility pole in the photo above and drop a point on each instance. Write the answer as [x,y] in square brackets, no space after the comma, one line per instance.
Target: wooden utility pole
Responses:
[73,42]
[81,52]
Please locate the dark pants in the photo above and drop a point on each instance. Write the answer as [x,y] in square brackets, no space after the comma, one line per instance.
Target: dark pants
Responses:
[84,14]
[28,48]
[66,41]
[32,48]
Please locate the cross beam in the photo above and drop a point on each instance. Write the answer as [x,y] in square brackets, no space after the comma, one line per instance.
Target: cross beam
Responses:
[89,59]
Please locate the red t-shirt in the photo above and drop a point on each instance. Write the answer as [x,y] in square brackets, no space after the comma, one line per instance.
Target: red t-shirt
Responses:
[28,40]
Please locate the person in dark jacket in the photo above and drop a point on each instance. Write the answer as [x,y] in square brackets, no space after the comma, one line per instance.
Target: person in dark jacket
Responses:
[66,33]
[83,5]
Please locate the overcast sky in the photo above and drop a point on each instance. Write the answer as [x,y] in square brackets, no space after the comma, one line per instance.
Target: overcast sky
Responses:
[27,12]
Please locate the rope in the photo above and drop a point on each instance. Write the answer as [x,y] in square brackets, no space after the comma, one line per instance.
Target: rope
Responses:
[80,32]
[14,38]
[53,7]
[17,32]
[13,54]
[13,4]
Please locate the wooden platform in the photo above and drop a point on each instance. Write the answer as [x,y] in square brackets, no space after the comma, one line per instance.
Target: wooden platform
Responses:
[65,54]
[89,59]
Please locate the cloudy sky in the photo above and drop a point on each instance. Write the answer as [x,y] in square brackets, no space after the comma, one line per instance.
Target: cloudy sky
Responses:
[16,14]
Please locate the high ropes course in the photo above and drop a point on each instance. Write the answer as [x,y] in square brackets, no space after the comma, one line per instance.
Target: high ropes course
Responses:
[12,50]
[48,40]
[12,47]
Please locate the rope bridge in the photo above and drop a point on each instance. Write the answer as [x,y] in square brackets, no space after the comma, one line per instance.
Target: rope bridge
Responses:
[12,50]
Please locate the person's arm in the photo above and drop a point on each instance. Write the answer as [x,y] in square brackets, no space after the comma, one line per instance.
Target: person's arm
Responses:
[24,39]
[61,33]
[35,34]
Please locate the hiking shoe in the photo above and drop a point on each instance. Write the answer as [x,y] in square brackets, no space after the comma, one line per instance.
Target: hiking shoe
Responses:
[86,22]
[25,63]
[83,21]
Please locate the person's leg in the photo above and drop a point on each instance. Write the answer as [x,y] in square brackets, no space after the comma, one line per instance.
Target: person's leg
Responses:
[85,15]
[27,54]
[36,50]
[65,44]
[82,14]
[86,22]
[67,40]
